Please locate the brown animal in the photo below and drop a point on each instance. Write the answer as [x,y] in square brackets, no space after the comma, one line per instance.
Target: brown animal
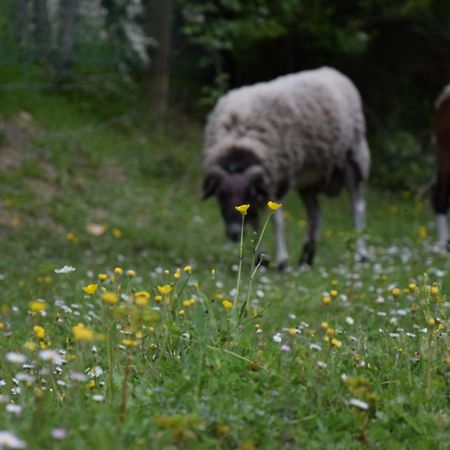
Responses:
[441,188]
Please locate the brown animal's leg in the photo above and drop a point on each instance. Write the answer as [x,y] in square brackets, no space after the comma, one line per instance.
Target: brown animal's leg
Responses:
[440,203]
[314,219]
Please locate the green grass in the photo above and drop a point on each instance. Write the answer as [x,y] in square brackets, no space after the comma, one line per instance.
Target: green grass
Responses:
[208,378]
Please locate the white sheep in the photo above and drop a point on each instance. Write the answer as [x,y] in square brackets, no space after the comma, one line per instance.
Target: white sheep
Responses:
[304,131]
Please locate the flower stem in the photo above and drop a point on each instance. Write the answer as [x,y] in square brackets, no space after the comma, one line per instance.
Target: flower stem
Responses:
[241,255]
[123,405]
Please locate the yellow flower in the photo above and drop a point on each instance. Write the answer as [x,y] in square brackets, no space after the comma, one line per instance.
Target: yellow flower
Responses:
[165,289]
[292,331]
[336,343]
[274,205]
[334,293]
[177,274]
[142,294]
[117,233]
[131,273]
[102,276]
[91,384]
[181,312]
[72,237]
[37,306]
[431,322]
[141,301]
[82,334]
[90,289]
[110,297]
[330,331]
[187,269]
[30,345]
[423,232]
[412,286]
[2,325]
[39,332]
[324,325]
[434,290]
[326,299]
[158,298]
[242,209]
[187,303]
[396,292]
[227,304]
[118,271]
[130,342]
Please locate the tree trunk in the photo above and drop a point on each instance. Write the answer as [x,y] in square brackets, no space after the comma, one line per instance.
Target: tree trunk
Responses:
[68,14]
[41,28]
[160,25]
[21,17]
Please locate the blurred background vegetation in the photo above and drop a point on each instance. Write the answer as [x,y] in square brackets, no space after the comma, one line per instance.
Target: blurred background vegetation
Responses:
[160,61]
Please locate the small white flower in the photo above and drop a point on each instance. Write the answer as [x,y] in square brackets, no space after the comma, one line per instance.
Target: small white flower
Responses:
[277,337]
[322,365]
[78,376]
[358,404]
[59,433]
[65,269]
[9,440]
[316,347]
[15,358]
[349,320]
[98,398]
[394,335]
[14,409]
[285,348]
[26,377]
[96,372]
[51,356]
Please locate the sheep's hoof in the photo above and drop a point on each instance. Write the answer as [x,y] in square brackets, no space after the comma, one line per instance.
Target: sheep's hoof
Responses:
[309,250]
[447,247]
[362,257]
[282,266]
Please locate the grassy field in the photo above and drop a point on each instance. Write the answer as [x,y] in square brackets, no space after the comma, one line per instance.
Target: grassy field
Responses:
[136,344]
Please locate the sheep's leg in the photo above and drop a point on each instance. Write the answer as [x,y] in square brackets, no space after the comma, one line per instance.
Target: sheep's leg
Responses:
[314,220]
[356,188]
[282,253]
[440,200]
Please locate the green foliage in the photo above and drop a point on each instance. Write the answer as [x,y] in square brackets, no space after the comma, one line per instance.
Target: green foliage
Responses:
[195,380]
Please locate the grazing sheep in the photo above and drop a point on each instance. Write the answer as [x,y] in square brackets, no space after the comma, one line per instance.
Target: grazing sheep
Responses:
[441,188]
[304,131]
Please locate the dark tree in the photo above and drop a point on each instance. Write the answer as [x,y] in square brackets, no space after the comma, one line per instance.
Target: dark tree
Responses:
[21,18]
[41,23]
[160,25]
[68,14]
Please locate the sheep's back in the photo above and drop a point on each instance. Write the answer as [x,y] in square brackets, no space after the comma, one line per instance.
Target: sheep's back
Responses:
[309,119]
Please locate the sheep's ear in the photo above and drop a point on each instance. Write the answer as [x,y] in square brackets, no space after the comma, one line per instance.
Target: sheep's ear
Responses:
[211,181]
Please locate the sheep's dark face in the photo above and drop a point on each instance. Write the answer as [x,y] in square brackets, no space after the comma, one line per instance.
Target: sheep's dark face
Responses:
[232,190]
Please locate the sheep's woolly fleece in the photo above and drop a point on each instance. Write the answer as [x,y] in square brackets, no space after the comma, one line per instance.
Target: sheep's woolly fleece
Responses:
[304,122]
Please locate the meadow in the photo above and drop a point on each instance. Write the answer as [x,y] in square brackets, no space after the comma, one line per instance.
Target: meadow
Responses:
[121,325]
